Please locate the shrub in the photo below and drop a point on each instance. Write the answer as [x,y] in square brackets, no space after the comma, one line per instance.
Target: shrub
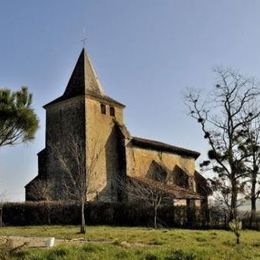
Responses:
[180,255]
[236,226]
[151,257]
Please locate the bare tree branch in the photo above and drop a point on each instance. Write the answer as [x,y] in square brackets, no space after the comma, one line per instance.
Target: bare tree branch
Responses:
[222,121]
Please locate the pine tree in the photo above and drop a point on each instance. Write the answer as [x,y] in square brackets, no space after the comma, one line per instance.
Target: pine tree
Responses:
[18,121]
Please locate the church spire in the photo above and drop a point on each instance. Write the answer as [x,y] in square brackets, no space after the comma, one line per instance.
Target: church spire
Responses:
[84,79]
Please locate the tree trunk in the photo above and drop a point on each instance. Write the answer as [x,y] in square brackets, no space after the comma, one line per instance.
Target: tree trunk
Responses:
[155,217]
[238,239]
[253,212]
[233,208]
[82,227]
[253,202]
[48,213]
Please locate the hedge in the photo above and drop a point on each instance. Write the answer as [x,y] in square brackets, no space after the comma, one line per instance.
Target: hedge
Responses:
[117,214]
[96,213]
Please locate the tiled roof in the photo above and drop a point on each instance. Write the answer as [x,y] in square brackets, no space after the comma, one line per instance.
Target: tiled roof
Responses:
[176,192]
[159,146]
[203,187]
[105,98]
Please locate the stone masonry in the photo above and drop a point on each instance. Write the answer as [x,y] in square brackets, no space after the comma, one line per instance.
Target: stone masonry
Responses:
[86,115]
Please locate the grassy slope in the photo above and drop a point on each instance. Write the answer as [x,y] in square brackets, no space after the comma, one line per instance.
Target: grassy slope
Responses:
[158,244]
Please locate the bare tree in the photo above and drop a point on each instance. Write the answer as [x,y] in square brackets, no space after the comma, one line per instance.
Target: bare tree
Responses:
[223,194]
[146,190]
[78,168]
[41,190]
[222,118]
[252,147]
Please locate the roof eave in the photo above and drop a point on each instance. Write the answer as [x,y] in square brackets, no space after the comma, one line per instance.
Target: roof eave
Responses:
[97,97]
[105,98]
[159,146]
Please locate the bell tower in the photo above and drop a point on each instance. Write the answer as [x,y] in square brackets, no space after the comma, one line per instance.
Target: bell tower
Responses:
[86,114]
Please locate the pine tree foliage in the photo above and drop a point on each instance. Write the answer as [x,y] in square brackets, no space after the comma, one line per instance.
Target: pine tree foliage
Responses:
[18,121]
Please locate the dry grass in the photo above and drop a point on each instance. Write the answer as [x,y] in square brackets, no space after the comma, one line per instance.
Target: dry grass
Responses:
[140,243]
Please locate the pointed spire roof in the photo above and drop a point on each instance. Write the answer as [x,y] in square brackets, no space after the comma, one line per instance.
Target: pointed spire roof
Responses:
[84,81]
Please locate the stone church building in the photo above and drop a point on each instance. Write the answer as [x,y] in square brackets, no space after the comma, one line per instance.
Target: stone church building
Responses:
[85,118]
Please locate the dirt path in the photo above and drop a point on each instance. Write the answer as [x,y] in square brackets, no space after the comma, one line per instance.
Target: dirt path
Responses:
[43,242]
[16,241]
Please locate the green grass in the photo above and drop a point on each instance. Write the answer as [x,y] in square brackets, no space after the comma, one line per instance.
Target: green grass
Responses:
[140,243]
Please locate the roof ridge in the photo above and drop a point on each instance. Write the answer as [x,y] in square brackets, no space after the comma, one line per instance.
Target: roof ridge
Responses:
[153,144]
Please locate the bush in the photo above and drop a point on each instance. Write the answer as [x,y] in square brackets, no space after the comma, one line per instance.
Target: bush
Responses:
[236,226]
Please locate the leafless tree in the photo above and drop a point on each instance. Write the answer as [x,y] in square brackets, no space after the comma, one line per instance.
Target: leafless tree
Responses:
[147,191]
[252,146]
[71,156]
[222,192]
[222,118]
[41,190]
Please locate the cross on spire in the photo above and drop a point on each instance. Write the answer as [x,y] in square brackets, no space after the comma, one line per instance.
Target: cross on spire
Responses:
[84,36]
[84,42]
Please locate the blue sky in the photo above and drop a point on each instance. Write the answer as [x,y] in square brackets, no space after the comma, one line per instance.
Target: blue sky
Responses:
[146,52]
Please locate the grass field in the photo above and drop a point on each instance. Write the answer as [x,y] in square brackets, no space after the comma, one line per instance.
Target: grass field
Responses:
[138,243]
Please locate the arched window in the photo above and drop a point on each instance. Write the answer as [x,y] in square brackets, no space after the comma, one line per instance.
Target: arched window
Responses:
[112,111]
[103,108]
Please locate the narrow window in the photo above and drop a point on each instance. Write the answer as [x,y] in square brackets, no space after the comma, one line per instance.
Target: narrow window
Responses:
[103,108]
[112,111]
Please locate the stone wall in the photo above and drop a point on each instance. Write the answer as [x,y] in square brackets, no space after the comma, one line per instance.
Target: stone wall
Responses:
[102,150]
[65,123]
[139,162]
[80,119]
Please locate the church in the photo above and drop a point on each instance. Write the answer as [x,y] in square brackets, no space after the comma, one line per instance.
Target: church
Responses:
[86,132]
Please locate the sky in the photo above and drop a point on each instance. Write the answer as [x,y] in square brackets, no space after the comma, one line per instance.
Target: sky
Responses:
[146,53]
